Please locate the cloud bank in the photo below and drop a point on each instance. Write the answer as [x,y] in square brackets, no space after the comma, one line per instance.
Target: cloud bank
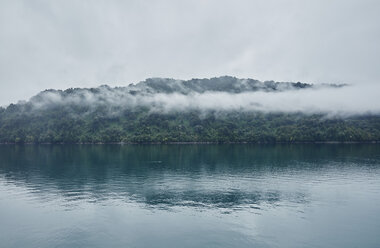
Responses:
[285,97]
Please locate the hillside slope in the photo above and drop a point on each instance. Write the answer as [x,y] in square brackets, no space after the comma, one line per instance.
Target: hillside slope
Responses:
[159,110]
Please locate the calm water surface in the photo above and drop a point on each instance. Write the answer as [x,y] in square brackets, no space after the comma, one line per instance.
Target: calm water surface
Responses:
[190,196]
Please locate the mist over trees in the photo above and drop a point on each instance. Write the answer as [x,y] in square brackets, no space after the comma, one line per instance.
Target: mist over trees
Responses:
[224,109]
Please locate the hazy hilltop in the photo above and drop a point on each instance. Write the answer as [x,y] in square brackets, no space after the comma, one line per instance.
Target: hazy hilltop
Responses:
[166,95]
[223,109]
[154,86]
[217,84]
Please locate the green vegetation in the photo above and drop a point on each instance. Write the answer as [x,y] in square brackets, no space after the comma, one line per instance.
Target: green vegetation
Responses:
[137,114]
[58,125]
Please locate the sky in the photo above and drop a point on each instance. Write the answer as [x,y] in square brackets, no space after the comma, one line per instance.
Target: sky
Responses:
[69,43]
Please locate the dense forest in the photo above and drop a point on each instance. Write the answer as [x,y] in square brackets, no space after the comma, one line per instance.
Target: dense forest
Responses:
[123,115]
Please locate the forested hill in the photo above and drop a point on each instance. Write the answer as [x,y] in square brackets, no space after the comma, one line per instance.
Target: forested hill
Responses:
[166,110]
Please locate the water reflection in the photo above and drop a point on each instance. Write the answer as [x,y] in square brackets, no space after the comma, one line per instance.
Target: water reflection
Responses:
[200,176]
[190,196]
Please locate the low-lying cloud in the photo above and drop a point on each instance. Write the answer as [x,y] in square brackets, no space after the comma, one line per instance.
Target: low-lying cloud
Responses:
[309,99]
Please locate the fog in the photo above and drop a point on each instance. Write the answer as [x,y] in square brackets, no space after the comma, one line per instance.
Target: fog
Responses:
[330,100]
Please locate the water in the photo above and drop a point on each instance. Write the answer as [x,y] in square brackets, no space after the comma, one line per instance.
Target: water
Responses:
[190,196]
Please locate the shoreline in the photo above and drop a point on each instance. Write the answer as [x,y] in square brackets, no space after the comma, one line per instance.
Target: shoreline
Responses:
[195,143]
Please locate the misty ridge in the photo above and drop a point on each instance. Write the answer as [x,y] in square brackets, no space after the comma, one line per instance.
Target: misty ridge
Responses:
[163,95]
[216,110]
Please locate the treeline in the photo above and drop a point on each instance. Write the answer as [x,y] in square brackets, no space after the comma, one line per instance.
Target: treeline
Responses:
[58,125]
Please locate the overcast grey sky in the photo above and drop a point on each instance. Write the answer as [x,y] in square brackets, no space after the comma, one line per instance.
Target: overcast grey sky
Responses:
[61,44]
